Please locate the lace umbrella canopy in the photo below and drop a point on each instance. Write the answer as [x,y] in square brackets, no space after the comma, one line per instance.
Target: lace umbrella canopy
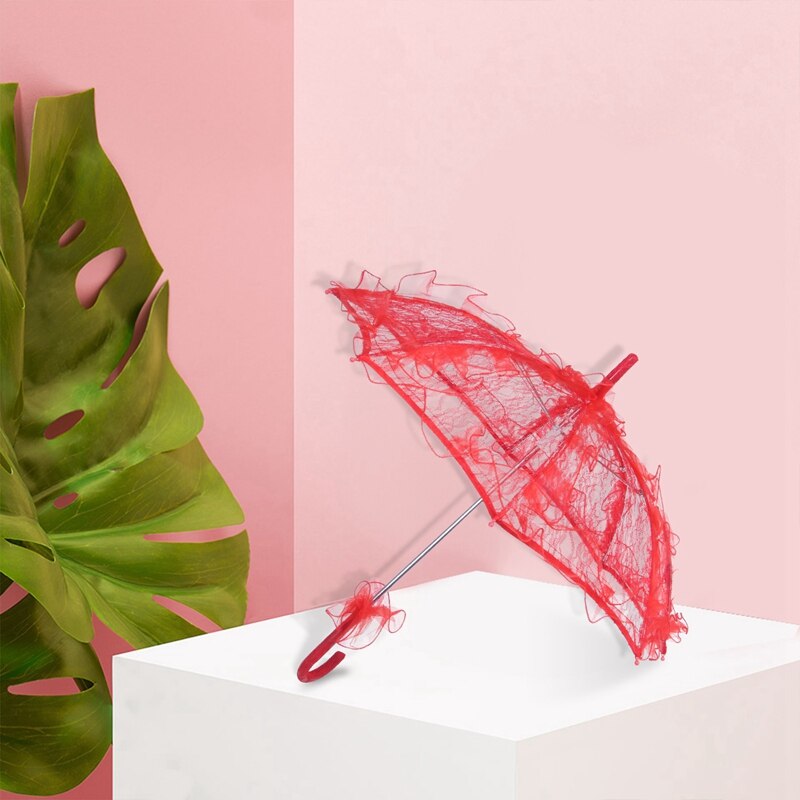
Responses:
[543,448]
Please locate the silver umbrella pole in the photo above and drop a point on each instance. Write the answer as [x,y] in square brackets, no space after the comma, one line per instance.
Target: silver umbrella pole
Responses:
[417,558]
[448,530]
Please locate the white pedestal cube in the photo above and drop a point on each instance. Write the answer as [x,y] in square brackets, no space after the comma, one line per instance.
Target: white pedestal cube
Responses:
[496,688]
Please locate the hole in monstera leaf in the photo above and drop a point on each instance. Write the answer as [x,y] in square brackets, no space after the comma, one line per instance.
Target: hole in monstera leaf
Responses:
[94,275]
[5,465]
[12,595]
[188,613]
[65,500]
[64,423]
[51,687]
[138,332]
[34,547]
[72,233]
[195,537]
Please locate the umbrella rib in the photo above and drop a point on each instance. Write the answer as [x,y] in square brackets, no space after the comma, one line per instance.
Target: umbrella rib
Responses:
[449,383]
[575,527]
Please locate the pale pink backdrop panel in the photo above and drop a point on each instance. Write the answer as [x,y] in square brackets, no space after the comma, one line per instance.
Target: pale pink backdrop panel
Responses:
[618,177]
[194,107]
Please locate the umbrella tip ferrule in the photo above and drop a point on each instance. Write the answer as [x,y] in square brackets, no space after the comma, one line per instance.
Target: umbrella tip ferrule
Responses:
[615,374]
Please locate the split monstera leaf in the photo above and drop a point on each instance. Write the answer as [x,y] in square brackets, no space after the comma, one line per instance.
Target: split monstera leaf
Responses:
[98,450]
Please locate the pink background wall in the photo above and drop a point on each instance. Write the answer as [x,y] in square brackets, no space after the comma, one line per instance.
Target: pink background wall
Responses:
[617,177]
[194,107]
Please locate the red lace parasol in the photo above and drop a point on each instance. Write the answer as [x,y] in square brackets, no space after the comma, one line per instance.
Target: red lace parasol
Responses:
[543,448]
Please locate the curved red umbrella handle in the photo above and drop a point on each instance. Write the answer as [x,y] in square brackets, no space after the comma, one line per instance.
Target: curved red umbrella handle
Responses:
[305,673]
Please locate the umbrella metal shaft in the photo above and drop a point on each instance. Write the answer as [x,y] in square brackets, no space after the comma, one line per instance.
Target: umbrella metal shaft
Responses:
[449,529]
[417,558]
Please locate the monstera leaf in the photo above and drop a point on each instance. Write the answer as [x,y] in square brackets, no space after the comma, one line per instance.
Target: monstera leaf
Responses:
[50,743]
[98,447]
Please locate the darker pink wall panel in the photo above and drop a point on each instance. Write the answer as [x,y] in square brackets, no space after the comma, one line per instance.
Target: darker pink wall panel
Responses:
[194,107]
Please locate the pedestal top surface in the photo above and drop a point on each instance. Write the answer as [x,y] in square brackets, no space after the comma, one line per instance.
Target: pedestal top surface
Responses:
[501,656]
